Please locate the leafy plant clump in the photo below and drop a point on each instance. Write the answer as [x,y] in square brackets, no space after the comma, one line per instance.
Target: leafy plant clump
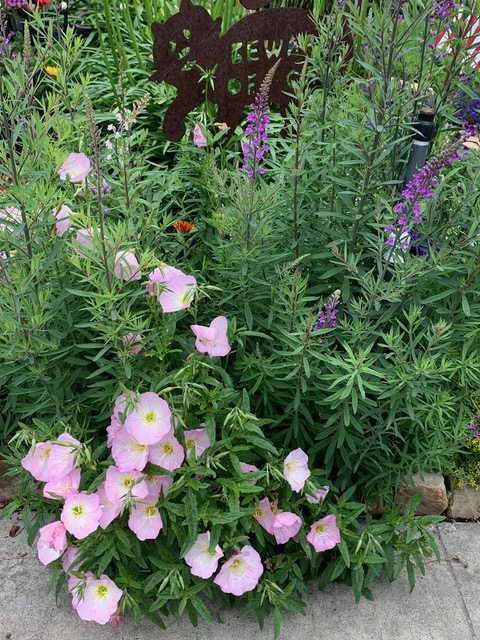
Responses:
[216,353]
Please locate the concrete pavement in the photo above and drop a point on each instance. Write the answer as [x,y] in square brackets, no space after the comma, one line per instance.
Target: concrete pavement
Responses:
[445,604]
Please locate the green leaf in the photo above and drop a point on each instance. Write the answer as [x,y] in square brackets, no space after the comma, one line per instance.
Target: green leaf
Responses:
[277,622]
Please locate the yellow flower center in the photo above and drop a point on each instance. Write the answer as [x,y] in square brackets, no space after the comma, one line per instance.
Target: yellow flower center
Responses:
[168,448]
[238,566]
[150,417]
[190,444]
[78,510]
[319,528]
[46,453]
[259,513]
[101,592]
[207,552]
[292,466]
[139,448]
[127,483]
[150,511]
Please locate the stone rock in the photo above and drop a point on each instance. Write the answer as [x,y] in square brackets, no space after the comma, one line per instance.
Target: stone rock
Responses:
[433,490]
[465,503]
[8,484]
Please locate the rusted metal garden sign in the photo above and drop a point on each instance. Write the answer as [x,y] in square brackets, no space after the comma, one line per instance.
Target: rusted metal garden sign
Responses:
[188,46]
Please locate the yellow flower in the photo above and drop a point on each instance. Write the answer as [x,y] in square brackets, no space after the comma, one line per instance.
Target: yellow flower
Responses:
[52,71]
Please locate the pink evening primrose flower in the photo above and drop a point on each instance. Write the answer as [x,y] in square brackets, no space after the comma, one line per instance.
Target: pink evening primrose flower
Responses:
[118,417]
[264,515]
[36,461]
[241,572]
[196,439]
[318,495]
[134,343]
[126,266]
[285,526]
[64,222]
[76,168]
[161,276]
[62,456]
[150,419]
[86,238]
[61,487]
[110,510]
[100,600]
[202,562]
[295,469]
[178,295]
[69,559]
[199,139]
[128,453]
[168,453]
[213,339]
[52,542]
[249,468]
[81,514]
[158,484]
[120,484]
[145,520]
[324,534]
[10,216]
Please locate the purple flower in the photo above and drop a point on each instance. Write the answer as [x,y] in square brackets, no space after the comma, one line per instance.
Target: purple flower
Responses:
[420,189]
[255,147]
[327,316]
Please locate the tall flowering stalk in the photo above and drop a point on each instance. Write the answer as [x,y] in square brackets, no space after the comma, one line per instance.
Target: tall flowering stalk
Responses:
[255,146]
[418,191]
[327,316]
[95,146]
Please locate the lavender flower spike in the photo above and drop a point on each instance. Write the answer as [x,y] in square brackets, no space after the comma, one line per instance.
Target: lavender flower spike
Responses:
[255,146]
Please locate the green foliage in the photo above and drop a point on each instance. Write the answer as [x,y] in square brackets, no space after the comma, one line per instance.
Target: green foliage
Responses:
[374,399]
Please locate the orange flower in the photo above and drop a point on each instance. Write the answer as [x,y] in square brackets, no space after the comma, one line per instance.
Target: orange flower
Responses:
[184,226]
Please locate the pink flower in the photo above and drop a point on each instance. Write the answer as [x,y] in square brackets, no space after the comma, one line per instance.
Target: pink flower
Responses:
[100,600]
[63,223]
[126,266]
[116,619]
[81,514]
[249,468]
[318,495]
[199,139]
[241,572]
[118,417]
[134,342]
[11,216]
[121,484]
[86,238]
[202,562]
[264,515]
[213,339]
[179,294]
[69,558]
[295,469]
[62,456]
[285,526]
[168,453]
[145,520]
[76,167]
[61,487]
[158,484]
[52,542]
[128,453]
[161,277]
[110,510]
[324,534]
[36,461]
[196,439]
[150,419]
